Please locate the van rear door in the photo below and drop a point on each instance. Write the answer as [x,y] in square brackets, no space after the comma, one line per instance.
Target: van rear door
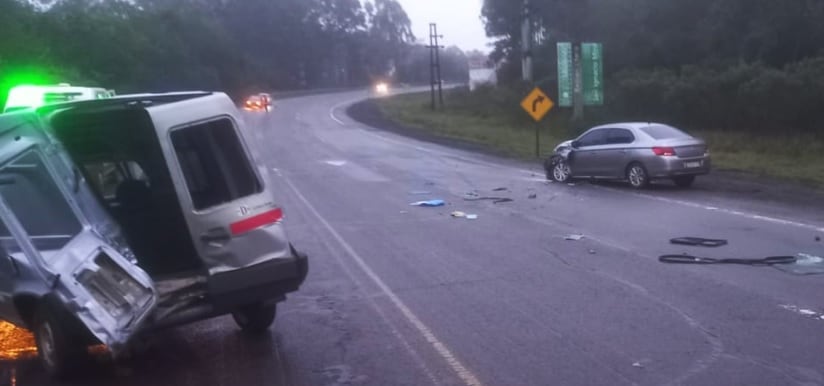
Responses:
[232,216]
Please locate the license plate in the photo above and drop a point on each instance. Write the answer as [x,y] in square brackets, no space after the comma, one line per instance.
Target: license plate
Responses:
[696,164]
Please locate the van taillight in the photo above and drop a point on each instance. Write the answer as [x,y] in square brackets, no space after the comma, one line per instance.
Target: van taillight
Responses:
[256,222]
[663,151]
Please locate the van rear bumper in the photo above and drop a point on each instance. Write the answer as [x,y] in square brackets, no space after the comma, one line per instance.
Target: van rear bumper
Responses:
[265,282]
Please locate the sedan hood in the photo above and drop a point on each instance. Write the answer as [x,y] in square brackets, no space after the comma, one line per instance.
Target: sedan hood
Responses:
[565,144]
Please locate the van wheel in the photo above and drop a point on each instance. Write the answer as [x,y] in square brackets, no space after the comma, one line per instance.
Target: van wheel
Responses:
[61,350]
[255,318]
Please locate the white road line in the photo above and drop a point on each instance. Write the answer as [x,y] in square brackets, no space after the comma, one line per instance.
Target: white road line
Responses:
[337,106]
[751,216]
[468,378]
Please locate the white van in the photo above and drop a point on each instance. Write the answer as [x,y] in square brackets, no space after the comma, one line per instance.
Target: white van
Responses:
[23,97]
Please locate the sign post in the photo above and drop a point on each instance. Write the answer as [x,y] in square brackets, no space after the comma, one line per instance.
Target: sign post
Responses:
[537,104]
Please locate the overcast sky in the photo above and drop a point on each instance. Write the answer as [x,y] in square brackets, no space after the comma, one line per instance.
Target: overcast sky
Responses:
[458,20]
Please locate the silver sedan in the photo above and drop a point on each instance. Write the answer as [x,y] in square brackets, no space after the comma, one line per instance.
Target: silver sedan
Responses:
[635,152]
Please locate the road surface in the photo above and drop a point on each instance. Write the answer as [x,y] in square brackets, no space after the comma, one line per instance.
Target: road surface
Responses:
[402,295]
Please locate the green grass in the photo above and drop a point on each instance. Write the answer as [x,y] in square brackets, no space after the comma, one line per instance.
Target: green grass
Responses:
[493,119]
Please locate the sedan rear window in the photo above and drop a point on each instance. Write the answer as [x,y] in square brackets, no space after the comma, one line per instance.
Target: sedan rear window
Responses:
[664,132]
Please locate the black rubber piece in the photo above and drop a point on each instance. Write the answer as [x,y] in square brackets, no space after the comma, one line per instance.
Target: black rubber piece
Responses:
[699,242]
[688,259]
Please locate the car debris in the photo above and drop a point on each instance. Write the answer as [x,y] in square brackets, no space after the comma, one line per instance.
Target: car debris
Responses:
[458,214]
[574,237]
[502,200]
[429,203]
[472,217]
[699,242]
[502,189]
[533,196]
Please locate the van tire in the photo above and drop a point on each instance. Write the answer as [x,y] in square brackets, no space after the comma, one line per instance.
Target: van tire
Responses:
[255,319]
[60,347]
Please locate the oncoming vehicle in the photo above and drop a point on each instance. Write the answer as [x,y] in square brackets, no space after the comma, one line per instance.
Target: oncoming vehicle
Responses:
[135,213]
[258,102]
[24,97]
[635,152]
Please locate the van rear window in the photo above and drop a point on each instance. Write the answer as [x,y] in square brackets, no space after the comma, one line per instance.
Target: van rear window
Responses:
[214,163]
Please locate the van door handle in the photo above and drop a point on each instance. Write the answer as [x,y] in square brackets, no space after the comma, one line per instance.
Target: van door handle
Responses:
[215,235]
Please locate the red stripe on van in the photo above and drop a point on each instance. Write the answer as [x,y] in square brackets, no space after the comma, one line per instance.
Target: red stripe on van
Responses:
[258,221]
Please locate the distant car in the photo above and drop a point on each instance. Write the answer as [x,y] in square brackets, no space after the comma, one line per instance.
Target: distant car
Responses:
[254,103]
[382,88]
[636,152]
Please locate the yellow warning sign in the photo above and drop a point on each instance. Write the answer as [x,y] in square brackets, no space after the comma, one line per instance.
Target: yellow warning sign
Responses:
[537,104]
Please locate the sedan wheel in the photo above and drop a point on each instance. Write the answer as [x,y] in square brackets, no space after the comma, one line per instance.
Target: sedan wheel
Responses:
[561,171]
[637,176]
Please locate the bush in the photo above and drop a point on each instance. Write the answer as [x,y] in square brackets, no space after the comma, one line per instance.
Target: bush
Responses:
[742,97]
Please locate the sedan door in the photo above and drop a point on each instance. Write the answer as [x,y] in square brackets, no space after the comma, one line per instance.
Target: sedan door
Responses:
[615,155]
[586,160]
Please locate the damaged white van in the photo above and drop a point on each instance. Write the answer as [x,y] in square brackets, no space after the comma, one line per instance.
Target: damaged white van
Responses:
[124,215]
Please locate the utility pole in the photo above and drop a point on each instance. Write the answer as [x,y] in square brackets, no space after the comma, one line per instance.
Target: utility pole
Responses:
[435,64]
[526,44]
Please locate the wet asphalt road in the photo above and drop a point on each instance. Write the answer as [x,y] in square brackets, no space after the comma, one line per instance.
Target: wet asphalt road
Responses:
[400,295]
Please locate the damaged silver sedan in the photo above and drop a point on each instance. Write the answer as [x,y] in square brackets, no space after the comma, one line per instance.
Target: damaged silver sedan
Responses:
[125,215]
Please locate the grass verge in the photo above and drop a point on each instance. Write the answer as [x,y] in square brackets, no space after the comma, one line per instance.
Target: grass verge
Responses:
[494,121]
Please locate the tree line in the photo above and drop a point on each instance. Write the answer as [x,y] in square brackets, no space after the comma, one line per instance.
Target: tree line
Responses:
[715,64]
[238,46]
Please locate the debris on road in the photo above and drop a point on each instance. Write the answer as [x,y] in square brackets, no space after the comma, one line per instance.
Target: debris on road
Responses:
[699,241]
[429,203]
[574,237]
[571,184]
[592,252]
[472,217]
[458,214]
[499,189]
[805,264]
[502,200]
[533,196]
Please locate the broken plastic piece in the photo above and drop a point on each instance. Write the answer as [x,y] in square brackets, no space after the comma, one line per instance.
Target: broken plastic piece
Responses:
[429,203]
[574,237]
[699,241]
[472,217]
[458,214]
[502,200]
[498,189]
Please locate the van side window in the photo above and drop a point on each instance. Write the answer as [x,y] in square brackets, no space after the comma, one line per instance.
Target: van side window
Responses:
[214,163]
[35,199]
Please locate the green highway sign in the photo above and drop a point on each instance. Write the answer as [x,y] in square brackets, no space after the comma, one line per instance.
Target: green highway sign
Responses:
[593,73]
[566,74]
